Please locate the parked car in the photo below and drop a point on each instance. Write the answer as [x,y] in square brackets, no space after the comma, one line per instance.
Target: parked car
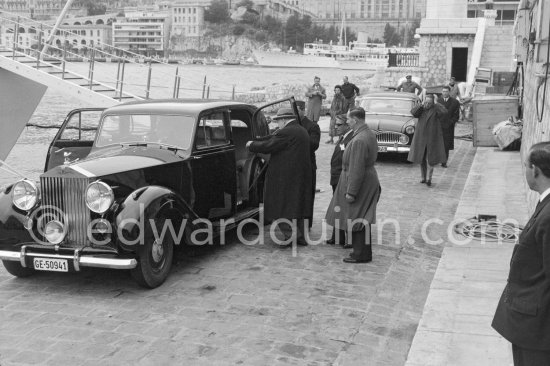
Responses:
[115,179]
[389,115]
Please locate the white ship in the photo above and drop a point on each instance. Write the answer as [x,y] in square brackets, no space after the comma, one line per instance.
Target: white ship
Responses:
[356,56]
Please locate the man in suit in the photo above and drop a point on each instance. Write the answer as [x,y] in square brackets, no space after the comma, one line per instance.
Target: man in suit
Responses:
[314,132]
[523,313]
[452,105]
[288,178]
[315,94]
[346,133]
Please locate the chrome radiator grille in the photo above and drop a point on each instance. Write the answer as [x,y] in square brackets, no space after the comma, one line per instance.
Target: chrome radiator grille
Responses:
[67,195]
[388,137]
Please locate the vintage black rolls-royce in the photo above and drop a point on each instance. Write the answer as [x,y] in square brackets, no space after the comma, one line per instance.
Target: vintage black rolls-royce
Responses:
[122,189]
[389,115]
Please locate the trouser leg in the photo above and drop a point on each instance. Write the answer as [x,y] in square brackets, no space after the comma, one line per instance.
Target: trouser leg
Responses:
[361,241]
[424,165]
[295,231]
[430,171]
[314,188]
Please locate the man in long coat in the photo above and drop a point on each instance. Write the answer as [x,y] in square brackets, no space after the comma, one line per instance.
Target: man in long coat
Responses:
[288,179]
[337,106]
[314,133]
[427,148]
[452,106]
[523,312]
[316,93]
[353,206]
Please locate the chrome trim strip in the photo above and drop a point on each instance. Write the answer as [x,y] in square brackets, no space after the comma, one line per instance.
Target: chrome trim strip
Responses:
[76,260]
[82,171]
[22,255]
[83,261]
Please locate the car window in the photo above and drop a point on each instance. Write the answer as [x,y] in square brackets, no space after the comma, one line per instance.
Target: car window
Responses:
[387,105]
[211,131]
[172,130]
[82,126]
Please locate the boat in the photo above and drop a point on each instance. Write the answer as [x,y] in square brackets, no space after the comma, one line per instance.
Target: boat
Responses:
[356,56]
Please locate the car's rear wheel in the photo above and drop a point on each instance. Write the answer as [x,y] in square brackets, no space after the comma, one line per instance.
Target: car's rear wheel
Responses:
[17,270]
[257,177]
[155,257]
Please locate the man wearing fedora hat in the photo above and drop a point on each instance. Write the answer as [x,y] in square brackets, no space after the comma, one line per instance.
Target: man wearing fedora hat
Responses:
[288,182]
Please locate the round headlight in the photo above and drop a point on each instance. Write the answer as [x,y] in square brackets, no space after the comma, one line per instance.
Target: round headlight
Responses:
[99,197]
[404,139]
[24,194]
[55,232]
[409,130]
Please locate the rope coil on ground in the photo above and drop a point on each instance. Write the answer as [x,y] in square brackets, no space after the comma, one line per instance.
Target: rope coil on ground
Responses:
[490,230]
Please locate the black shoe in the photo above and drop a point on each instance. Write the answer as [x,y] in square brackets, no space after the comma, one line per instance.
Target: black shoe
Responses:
[423,181]
[429,183]
[302,243]
[348,246]
[331,241]
[444,165]
[353,260]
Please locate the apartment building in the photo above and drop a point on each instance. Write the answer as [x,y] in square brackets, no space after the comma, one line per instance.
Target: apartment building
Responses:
[187,18]
[143,30]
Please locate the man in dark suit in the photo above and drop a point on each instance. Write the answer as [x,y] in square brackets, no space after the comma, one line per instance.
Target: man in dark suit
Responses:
[346,133]
[523,313]
[314,132]
[288,178]
[448,124]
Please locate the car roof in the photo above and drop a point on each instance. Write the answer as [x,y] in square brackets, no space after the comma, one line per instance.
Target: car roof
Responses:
[179,106]
[392,95]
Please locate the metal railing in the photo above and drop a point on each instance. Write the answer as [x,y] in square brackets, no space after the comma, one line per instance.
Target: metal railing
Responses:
[67,58]
[403,60]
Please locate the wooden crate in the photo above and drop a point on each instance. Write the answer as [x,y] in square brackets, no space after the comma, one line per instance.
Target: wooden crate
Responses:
[488,110]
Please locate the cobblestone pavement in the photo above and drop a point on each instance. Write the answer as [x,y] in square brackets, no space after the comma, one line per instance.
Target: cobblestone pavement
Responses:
[249,305]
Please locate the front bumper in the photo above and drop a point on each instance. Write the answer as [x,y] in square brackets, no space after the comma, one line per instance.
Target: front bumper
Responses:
[77,259]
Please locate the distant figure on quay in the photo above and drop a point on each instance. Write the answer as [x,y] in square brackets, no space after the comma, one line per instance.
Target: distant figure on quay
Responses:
[315,94]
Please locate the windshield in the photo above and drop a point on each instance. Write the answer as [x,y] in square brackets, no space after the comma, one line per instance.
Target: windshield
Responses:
[169,130]
[387,105]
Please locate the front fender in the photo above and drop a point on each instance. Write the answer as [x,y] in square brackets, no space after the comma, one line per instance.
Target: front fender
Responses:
[12,222]
[132,217]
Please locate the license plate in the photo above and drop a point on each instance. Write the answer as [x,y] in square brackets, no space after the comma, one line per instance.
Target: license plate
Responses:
[382,148]
[49,264]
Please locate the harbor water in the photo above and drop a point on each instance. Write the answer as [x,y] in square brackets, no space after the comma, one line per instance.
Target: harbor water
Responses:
[29,154]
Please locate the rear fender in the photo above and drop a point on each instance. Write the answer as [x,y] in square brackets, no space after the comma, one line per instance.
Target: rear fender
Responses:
[144,204]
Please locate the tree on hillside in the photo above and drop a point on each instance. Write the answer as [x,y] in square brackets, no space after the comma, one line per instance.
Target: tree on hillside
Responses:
[217,12]
[248,4]
[93,8]
[409,32]
[391,36]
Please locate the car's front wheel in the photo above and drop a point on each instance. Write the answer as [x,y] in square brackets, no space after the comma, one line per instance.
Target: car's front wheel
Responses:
[17,270]
[155,256]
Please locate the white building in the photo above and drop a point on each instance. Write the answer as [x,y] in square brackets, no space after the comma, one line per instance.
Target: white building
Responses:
[188,18]
[143,31]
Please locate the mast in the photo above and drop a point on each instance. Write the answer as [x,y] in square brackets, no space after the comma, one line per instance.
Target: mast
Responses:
[57,24]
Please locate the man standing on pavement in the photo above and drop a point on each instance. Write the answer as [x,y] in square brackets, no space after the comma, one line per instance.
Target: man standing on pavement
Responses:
[314,133]
[316,93]
[346,133]
[448,124]
[427,146]
[353,206]
[409,86]
[350,91]
[288,178]
[523,312]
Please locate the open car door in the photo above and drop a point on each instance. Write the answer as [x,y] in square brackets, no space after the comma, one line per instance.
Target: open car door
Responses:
[75,137]
[263,117]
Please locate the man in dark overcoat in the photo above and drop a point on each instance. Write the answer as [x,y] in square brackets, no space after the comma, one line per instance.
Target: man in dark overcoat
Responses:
[452,105]
[345,134]
[314,132]
[353,205]
[427,148]
[288,178]
[523,312]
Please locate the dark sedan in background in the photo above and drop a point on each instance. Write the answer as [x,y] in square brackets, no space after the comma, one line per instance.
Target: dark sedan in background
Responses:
[389,115]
